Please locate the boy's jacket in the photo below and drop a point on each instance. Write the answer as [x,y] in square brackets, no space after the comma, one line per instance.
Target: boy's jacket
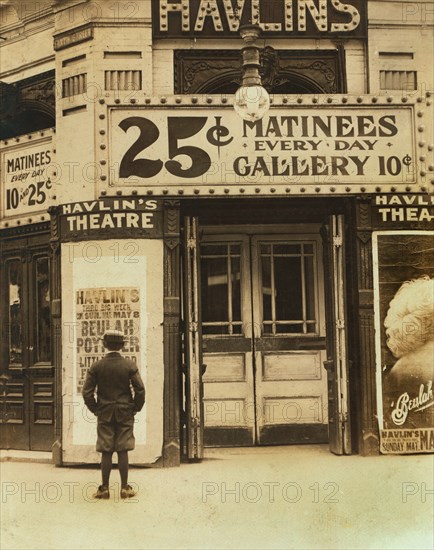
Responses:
[110,378]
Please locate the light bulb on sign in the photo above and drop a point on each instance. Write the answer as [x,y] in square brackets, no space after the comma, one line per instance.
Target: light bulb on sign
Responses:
[251,99]
[251,102]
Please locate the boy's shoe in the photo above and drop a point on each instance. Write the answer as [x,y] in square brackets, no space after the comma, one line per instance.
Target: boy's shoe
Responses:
[128,492]
[102,492]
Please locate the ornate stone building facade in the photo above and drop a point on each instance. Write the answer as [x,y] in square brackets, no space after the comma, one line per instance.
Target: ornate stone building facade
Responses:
[267,258]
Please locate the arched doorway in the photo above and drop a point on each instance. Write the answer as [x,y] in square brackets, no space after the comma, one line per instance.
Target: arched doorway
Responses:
[27,105]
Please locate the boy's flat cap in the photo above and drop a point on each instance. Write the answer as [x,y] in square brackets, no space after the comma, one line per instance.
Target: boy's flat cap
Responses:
[114,336]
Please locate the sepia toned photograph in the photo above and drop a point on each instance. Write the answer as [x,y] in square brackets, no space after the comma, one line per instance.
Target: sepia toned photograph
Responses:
[216,274]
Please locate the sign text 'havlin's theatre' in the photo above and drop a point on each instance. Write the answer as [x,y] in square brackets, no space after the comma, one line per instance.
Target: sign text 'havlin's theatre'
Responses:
[118,217]
[284,17]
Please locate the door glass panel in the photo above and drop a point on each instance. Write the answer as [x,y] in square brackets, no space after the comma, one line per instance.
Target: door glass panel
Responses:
[236,290]
[15,300]
[266,287]
[310,291]
[221,289]
[286,249]
[43,322]
[287,276]
[288,288]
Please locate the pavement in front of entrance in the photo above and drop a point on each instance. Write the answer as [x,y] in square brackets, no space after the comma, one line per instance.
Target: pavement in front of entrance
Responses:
[253,498]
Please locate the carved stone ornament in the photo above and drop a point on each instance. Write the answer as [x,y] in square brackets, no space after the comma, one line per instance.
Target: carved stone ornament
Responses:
[27,105]
[171,243]
[364,236]
[282,71]
[38,92]
[364,217]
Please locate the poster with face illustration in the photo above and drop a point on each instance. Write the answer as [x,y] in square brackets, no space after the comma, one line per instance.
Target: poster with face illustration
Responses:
[404,319]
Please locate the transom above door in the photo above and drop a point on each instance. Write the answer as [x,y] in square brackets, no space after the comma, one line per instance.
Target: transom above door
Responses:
[262,301]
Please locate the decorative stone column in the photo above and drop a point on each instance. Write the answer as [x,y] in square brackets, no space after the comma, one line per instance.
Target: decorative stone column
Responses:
[172,338]
[369,434]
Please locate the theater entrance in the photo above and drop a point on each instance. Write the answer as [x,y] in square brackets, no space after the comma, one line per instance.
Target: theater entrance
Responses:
[263,329]
[266,359]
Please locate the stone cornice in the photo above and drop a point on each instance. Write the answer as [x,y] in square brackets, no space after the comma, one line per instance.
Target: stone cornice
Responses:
[21,32]
[28,66]
[143,22]
[400,25]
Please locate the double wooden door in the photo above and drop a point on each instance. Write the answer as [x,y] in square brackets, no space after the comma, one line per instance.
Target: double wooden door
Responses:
[263,335]
[26,371]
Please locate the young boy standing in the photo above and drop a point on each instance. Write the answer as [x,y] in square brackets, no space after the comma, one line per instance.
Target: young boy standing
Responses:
[115,406]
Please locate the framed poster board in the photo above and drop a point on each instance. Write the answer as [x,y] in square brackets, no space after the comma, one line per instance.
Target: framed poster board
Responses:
[404,322]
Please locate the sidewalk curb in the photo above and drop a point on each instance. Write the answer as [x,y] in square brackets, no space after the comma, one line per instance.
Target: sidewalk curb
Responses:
[39,457]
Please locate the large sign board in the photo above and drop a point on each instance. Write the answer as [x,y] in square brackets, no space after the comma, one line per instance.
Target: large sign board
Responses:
[27,174]
[403,210]
[343,148]
[120,218]
[404,304]
[280,18]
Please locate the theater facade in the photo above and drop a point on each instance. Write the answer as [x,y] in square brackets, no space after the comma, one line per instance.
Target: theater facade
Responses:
[274,277]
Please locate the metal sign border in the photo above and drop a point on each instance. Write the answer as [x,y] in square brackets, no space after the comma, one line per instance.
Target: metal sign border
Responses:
[421,106]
